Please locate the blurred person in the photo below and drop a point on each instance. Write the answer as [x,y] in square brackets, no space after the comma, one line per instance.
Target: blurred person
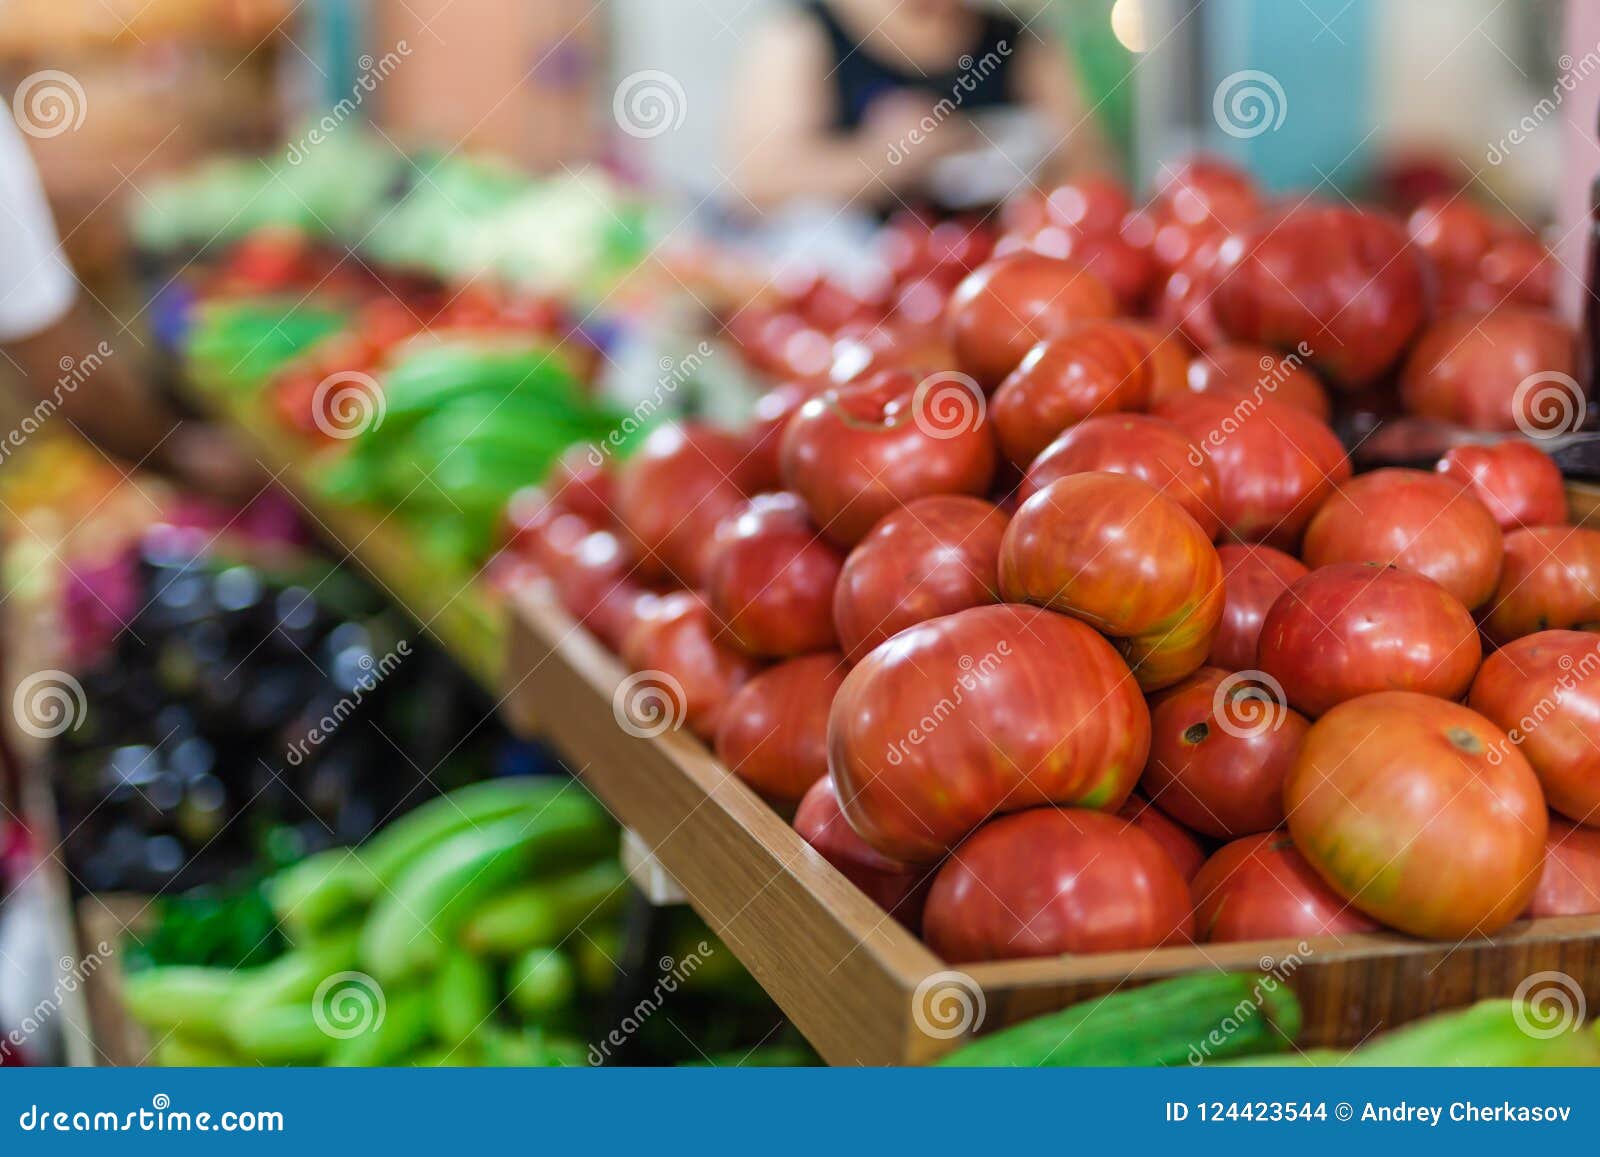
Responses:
[64,357]
[868,101]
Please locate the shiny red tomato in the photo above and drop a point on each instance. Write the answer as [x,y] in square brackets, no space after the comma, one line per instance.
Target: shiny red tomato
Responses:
[989,709]
[1569,885]
[1453,231]
[1176,840]
[856,452]
[1138,445]
[1253,371]
[1395,801]
[1253,577]
[932,557]
[1118,259]
[1201,191]
[673,491]
[593,576]
[1110,550]
[1508,370]
[1345,282]
[774,730]
[1049,881]
[899,889]
[583,485]
[1091,205]
[1519,270]
[1185,303]
[1354,628]
[1008,305]
[1261,888]
[1544,690]
[769,578]
[1516,480]
[1167,354]
[1220,745]
[763,436]
[1550,581]
[1274,464]
[674,646]
[1413,519]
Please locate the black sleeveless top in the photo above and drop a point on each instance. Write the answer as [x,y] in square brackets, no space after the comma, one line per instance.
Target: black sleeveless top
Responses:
[983,77]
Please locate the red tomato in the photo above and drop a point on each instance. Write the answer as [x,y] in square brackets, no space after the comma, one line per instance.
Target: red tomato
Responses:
[1453,231]
[1146,448]
[1516,480]
[1008,305]
[1344,282]
[1519,271]
[1175,839]
[1050,881]
[1091,205]
[1550,581]
[1167,353]
[899,889]
[1205,191]
[856,452]
[1274,464]
[774,731]
[1507,370]
[1125,267]
[764,435]
[769,578]
[579,483]
[1396,803]
[1110,550]
[674,645]
[1097,368]
[1253,578]
[1569,885]
[1254,371]
[932,557]
[1544,690]
[1220,746]
[989,709]
[1261,888]
[1415,520]
[672,493]
[1354,628]
[594,581]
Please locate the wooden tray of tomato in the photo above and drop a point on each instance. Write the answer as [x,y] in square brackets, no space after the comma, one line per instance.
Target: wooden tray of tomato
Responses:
[1036,653]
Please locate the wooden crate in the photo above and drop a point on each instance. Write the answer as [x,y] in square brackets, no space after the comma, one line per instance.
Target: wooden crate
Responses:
[863,989]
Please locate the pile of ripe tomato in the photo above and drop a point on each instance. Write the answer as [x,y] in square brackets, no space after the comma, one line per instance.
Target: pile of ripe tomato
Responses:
[1041,587]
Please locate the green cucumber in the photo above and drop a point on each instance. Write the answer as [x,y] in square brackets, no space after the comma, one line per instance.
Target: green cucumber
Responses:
[294,977]
[394,849]
[541,983]
[405,1027]
[288,1034]
[463,996]
[545,911]
[179,997]
[1172,1022]
[1487,1034]
[411,924]
[181,1052]
[320,891]
[528,1048]
[597,950]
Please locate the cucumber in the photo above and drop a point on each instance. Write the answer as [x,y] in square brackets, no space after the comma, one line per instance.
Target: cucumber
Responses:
[545,911]
[389,853]
[406,1024]
[528,1049]
[294,976]
[1171,1022]
[288,1034]
[320,891]
[597,950]
[541,983]
[463,996]
[1486,1034]
[412,923]
[180,997]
